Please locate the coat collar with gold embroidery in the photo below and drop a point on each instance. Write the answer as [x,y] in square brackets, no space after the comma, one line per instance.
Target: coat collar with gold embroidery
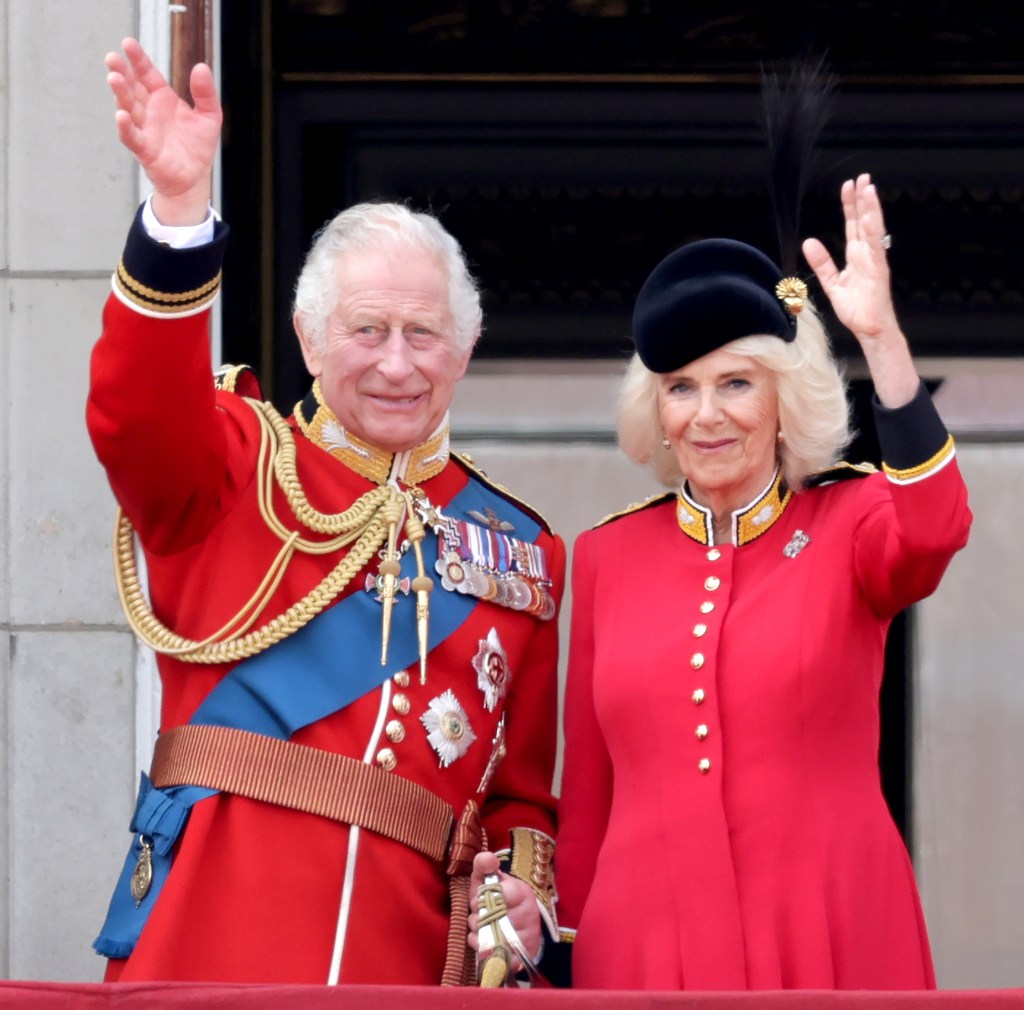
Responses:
[748,523]
[320,425]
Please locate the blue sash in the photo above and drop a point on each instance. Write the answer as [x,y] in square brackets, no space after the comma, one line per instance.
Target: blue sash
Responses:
[322,668]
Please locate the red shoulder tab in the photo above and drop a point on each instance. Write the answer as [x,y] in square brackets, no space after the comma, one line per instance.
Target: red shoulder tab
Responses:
[240,379]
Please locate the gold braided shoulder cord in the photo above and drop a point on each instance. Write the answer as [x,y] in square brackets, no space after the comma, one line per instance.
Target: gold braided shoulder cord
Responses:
[364,525]
[288,480]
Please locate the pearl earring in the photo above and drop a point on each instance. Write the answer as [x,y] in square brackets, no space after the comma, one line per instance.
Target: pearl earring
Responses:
[666,443]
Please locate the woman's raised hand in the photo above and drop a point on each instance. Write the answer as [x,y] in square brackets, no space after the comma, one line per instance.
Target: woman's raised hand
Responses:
[861,293]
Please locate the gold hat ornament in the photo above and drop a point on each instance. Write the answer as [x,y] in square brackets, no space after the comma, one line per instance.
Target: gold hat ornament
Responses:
[792,292]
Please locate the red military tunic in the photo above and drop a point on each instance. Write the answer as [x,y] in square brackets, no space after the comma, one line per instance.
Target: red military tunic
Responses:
[722,824]
[261,893]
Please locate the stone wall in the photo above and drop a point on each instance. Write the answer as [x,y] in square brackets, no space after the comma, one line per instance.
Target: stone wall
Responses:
[67,696]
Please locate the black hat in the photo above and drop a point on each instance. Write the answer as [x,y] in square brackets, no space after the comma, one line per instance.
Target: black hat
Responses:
[706,295]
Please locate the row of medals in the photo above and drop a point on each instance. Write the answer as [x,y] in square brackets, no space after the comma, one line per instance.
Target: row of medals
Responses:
[473,577]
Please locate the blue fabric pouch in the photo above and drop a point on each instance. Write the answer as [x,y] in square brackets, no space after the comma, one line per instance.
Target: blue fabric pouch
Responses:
[160,816]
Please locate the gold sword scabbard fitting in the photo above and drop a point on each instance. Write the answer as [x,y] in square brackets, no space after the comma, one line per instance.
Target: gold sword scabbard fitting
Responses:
[495,970]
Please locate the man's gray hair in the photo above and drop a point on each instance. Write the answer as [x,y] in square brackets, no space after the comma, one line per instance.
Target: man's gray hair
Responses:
[395,228]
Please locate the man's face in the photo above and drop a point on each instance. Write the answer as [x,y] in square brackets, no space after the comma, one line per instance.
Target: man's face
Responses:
[389,363]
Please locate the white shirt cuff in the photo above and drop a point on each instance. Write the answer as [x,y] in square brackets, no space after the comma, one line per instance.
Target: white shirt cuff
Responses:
[186,237]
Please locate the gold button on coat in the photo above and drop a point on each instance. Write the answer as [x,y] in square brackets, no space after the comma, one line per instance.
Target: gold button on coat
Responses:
[395,731]
[400,703]
[700,630]
[712,582]
[706,607]
[386,759]
[401,678]
[714,554]
[702,731]
[704,765]
[698,696]
[697,660]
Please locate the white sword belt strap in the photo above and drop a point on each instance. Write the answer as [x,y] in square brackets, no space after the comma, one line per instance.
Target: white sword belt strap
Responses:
[304,778]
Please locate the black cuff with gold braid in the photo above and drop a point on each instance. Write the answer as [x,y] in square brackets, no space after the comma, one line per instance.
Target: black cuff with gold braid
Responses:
[913,439]
[158,280]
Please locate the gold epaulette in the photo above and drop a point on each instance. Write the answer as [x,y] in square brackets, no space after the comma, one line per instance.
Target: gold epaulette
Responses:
[638,506]
[467,463]
[840,472]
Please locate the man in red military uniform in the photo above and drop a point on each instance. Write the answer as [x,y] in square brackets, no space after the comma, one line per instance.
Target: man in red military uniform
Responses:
[354,627]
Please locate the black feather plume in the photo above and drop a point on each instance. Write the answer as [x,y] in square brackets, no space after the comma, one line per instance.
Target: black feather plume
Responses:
[795,112]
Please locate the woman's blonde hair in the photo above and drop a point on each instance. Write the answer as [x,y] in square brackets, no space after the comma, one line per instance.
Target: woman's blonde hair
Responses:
[814,415]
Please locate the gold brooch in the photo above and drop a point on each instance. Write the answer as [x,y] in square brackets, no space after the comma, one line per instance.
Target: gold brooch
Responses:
[792,292]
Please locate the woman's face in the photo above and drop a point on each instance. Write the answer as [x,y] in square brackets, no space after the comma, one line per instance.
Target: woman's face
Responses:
[721,416]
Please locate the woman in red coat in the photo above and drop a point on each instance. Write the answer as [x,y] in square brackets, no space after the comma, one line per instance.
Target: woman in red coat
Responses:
[722,824]
[727,646]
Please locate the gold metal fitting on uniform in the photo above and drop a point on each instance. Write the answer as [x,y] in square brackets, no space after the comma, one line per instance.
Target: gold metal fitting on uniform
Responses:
[390,570]
[792,292]
[422,584]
